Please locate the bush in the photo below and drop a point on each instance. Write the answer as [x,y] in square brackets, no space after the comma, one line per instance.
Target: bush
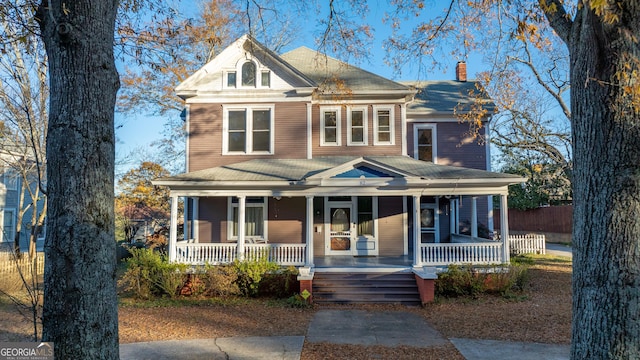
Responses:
[470,281]
[150,274]
[220,280]
[250,274]
[280,284]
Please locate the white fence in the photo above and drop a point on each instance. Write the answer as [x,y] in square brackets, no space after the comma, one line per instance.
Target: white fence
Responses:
[469,253]
[10,265]
[282,254]
[527,244]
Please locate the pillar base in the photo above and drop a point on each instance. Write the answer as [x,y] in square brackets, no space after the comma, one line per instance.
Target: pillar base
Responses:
[426,288]
[426,281]
[307,285]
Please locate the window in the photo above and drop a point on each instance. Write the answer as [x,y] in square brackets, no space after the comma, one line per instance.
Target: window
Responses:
[265,79]
[10,179]
[357,125]
[248,130]
[330,126]
[8,225]
[424,139]
[383,126]
[255,218]
[365,216]
[231,79]
[249,74]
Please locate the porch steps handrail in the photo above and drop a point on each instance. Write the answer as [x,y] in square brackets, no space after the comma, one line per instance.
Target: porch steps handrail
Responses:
[216,253]
[456,253]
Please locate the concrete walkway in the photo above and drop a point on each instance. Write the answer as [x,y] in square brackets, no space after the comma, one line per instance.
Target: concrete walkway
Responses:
[559,250]
[358,327]
[233,348]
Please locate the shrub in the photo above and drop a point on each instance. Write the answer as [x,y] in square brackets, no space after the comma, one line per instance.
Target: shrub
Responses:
[458,281]
[220,280]
[281,283]
[251,272]
[470,281]
[150,274]
[297,301]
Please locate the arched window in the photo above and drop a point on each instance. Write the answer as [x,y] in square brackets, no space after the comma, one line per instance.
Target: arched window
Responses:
[249,74]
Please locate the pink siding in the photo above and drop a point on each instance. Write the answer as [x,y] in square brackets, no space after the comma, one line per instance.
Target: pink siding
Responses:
[390,229]
[454,146]
[287,220]
[343,149]
[212,222]
[205,135]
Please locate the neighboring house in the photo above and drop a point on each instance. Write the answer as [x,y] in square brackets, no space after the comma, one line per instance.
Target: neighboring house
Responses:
[11,186]
[331,168]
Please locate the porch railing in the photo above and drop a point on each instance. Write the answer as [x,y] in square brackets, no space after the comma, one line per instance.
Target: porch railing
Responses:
[200,254]
[469,253]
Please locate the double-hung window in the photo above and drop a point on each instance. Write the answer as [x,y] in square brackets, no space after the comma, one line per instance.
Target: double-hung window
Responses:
[330,133]
[383,124]
[424,140]
[255,218]
[357,126]
[248,129]
[8,225]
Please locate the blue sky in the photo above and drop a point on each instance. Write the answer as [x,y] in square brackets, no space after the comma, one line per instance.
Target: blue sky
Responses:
[139,131]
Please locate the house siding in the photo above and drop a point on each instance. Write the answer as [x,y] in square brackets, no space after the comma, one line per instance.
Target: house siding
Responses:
[356,150]
[205,135]
[455,147]
[286,220]
[212,222]
[390,226]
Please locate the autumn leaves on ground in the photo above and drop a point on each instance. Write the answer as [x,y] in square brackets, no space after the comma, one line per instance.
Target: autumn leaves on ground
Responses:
[542,313]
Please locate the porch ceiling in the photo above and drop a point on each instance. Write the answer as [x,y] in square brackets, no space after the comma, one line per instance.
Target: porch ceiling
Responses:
[298,177]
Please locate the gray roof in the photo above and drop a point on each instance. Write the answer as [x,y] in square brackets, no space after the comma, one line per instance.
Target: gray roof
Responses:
[302,169]
[325,70]
[447,95]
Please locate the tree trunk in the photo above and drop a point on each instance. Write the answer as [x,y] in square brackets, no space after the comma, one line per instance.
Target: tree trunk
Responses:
[80,302]
[606,180]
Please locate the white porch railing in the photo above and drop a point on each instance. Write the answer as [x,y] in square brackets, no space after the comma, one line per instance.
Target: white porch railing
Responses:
[469,253]
[199,254]
[527,244]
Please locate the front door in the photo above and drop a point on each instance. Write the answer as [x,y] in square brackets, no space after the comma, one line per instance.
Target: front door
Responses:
[339,235]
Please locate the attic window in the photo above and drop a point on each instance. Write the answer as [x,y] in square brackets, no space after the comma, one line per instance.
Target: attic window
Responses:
[249,74]
[266,79]
[231,79]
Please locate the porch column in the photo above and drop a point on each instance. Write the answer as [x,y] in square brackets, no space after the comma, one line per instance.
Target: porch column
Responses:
[242,200]
[195,235]
[452,216]
[309,239]
[417,256]
[474,216]
[173,228]
[504,227]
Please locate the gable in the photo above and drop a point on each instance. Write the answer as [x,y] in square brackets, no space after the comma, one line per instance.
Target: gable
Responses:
[213,78]
[363,171]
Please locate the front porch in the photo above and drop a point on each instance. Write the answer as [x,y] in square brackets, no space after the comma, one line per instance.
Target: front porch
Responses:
[481,252]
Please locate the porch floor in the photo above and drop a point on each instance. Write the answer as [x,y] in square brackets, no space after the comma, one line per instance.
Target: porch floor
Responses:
[347,263]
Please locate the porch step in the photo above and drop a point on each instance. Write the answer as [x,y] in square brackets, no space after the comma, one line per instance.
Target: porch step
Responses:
[349,288]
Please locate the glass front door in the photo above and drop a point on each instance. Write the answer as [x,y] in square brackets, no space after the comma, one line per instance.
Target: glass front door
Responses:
[340,239]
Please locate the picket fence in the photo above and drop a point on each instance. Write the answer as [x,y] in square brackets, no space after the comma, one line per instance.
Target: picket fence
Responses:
[527,244]
[10,265]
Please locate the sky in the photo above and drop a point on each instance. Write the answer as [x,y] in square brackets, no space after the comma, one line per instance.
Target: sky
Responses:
[138,131]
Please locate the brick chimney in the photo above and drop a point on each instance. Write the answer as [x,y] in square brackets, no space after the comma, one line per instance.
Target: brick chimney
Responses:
[461,71]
